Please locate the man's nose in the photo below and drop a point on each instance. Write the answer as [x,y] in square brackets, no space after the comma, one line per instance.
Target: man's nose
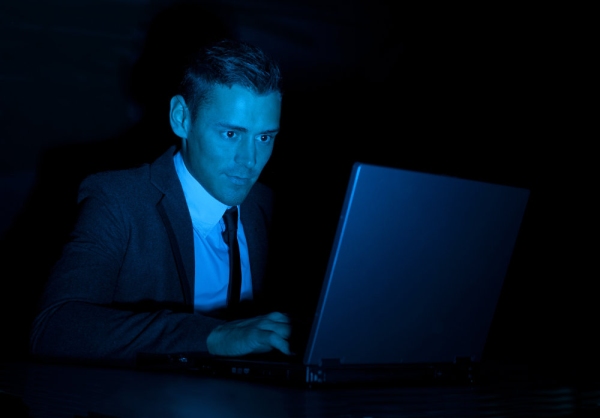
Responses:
[246,153]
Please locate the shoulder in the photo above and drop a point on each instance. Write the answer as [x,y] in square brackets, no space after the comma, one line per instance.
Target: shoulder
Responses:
[145,180]
[259,201]
[128,182]
[260,195]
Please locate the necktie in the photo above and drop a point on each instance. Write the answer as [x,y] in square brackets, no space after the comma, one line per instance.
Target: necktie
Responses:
[235,270]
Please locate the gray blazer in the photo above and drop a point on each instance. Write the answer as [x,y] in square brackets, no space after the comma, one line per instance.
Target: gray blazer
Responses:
[125,281]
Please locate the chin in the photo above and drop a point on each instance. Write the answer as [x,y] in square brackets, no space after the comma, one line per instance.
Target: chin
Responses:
[234,200]
[232,195]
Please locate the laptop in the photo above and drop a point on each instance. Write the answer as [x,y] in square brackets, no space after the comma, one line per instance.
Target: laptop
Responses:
[412,283]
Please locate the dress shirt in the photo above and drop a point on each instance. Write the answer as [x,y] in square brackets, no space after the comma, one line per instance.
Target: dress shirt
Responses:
[210,251]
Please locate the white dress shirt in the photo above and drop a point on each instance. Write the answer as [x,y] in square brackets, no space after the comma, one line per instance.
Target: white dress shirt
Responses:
[210,251]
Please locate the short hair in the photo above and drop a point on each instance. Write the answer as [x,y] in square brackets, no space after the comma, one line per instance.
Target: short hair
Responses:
[228,62]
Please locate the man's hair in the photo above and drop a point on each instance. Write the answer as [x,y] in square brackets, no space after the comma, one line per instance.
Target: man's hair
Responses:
[226,63]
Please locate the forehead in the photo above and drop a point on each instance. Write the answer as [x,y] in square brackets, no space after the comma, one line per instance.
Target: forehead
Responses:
[238,104]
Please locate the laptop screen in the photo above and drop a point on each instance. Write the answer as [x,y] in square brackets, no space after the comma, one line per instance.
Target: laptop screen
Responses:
[416,268]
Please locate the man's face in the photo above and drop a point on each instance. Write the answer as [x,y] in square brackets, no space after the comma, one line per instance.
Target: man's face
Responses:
[230,140]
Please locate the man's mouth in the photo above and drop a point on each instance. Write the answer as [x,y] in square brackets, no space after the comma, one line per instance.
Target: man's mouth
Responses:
[240,181]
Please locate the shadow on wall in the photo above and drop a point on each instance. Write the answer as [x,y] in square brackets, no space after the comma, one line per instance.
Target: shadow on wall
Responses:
[33,242]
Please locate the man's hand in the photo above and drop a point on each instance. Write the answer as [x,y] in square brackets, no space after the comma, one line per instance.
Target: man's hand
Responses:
[254,335]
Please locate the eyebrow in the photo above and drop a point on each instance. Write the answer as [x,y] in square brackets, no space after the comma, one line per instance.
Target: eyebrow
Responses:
[242,129]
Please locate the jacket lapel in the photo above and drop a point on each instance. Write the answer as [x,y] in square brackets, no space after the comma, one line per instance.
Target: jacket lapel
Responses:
[255,220]
[176,219]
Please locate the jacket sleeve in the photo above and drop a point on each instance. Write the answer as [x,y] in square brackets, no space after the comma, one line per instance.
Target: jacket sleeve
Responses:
[79,317]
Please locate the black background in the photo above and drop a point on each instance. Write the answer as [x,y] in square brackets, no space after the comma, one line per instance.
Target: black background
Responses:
[483,93]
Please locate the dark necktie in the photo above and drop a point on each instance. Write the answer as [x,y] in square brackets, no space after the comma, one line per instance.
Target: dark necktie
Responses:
[235,269]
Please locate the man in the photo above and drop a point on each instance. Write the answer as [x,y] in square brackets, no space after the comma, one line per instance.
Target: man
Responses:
[147,268]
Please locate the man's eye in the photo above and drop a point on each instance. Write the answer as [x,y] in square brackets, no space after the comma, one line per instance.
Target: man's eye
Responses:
[229,134]
[265,138]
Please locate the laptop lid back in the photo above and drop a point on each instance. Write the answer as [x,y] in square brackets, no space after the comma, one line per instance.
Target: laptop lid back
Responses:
[416,268]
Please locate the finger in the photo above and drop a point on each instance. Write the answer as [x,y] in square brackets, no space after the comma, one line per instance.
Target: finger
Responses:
[282,329]
[278,317]
[280,344]
[259,341]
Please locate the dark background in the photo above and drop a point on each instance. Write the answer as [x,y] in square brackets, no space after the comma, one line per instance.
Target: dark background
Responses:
[478,93]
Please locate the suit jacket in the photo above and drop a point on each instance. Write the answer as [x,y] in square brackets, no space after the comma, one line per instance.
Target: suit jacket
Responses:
[124,283]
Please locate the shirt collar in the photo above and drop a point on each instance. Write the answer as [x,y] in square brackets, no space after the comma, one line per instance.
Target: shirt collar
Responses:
[205,210]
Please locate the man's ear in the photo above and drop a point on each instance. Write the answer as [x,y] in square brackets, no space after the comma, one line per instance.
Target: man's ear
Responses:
[179,117]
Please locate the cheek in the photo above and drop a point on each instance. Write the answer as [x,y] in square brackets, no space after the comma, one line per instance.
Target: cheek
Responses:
[210,154]
[265,154]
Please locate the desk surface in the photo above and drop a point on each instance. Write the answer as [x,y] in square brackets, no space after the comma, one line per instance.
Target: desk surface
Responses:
[49,390]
